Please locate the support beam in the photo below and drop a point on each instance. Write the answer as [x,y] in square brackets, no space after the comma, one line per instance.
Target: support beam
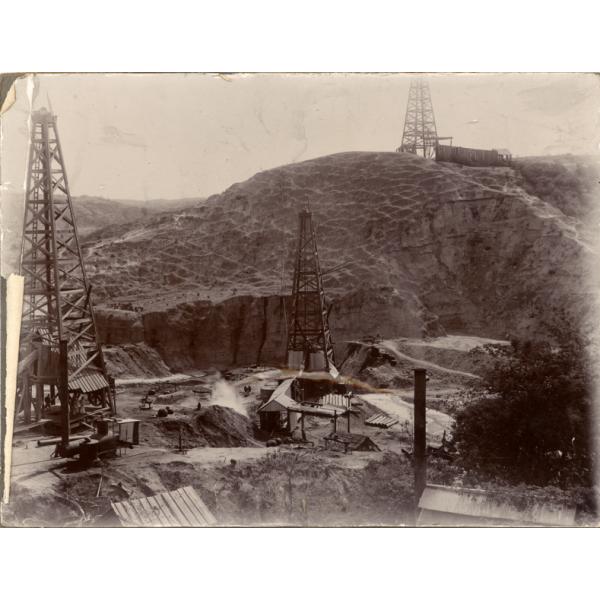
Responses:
[63,391]
[39,400]
[26,399]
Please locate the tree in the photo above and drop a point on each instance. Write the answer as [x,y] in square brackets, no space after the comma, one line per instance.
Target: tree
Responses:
[529,419]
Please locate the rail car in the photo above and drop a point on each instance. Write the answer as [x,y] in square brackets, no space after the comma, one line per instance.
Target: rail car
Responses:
[472,156]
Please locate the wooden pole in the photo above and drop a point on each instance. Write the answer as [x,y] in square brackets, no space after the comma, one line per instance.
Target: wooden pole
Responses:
[420,424]
[348,416]
[26,399]
[39,400]
[334,421]
[63,391]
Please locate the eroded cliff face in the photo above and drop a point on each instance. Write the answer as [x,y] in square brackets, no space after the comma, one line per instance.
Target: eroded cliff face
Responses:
[431,248]
[250,330]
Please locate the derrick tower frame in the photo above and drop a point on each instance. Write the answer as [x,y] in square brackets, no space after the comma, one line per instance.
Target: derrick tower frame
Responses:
[309,343]
[420,133]
[60,351]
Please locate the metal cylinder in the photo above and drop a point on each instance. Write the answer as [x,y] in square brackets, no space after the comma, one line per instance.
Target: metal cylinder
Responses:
[102,427]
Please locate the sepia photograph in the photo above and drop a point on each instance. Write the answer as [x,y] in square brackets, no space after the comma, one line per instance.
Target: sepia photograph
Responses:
[300,300]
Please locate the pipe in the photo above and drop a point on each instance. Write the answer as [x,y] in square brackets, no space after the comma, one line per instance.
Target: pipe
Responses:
[420,424]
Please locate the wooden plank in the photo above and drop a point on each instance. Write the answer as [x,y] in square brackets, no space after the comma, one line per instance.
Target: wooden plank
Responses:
[28,360]
[207,516]
[160,500]
[120,512]
[192,502]
[182,520]
[152,515]
[140,514]
[130,518]
[165,516]
[180,500]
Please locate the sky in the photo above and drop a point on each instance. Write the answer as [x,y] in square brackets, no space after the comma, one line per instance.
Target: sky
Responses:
[170,136]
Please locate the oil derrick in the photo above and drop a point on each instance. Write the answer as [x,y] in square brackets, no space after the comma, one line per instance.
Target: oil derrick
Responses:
[60,353]
[309,344]
[420,134]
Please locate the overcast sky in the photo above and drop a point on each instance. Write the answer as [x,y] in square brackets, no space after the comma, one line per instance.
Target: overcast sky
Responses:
[172,136]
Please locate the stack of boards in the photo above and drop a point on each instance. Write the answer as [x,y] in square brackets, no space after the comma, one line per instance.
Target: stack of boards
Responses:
[381,420]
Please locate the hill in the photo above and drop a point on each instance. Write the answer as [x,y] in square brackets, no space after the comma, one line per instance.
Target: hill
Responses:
[429,248]
[94,212]
[91,212]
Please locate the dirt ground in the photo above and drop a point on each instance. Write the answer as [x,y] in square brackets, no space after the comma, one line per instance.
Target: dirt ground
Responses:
[225,457]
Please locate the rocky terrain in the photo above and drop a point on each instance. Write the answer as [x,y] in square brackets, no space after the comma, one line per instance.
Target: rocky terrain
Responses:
[424,249]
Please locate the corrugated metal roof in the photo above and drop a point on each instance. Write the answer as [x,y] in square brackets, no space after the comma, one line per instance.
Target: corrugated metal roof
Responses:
[89,381]
[484,505]
[354,440]
[282,396]
[179,508]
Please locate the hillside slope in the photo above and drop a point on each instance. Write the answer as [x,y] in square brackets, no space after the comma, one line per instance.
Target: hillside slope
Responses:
[91,213]
[432,248]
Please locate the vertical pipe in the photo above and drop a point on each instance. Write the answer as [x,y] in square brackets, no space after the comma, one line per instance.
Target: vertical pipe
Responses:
[334,421]
[63,391]
[420,464]
[348,415]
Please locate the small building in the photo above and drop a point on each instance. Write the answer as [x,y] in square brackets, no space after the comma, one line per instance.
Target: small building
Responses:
[504,155]
[282,407]
[273,412]
[350,442]
[444,506]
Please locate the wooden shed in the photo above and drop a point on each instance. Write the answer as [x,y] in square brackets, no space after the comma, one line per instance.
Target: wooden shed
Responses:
[273,412]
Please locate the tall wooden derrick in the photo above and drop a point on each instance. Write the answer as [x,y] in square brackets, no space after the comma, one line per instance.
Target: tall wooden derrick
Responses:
[420,132]
[309,344]
[60,354]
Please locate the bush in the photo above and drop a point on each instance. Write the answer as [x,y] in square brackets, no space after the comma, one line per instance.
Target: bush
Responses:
[529,419]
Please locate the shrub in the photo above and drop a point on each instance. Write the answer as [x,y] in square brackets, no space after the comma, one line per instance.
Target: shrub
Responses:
[529,419]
